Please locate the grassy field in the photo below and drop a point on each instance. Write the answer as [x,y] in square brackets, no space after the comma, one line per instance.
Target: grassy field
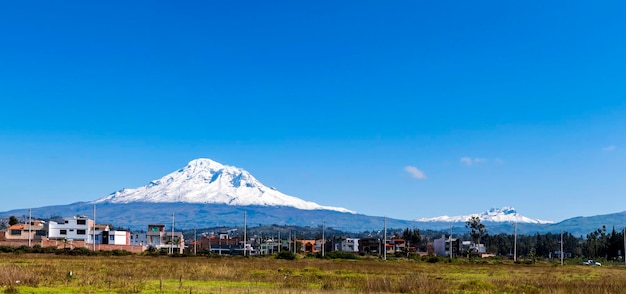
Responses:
[49,273]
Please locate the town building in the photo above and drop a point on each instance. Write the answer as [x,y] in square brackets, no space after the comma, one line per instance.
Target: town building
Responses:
[221,243]
[115,237]
[138,238]
[78,228]
[158,238]
[370,245]
[307,246]
[35,231]
[397,245]
[441,246]
[346,244]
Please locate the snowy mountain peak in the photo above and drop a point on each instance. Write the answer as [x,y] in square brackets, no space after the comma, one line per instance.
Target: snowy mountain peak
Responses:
[203,164]
[502,211]
[206,181]
[504,214]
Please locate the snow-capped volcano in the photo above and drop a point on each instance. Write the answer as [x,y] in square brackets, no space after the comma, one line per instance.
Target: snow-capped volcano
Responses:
[504,214]
[206,181]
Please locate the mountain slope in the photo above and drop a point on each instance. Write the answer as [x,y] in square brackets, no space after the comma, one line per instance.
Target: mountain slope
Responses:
[137,215]
[505,214]
[206,181]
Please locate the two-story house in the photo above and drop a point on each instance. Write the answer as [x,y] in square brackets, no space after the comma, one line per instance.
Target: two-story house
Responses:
[78,228]
[346,244]
[157,237]
[34,231]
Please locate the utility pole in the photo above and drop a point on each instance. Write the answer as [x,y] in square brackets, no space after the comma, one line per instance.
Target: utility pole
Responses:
[280,242]
[450,246]
[295,242]
[624,246]
[323,238]
[195,241]
[93,230]
[172,238]
[30,225]
[245,232]
[562,248]
[515,243]
[385,239]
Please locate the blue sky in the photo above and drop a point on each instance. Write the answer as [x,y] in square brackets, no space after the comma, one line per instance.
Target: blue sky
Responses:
[402,109]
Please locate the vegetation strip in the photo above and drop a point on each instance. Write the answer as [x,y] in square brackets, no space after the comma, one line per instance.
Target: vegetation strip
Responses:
[50,273]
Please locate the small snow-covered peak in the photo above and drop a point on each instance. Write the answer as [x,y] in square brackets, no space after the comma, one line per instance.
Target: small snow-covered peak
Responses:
[206,181]
[504,214]
[501,211]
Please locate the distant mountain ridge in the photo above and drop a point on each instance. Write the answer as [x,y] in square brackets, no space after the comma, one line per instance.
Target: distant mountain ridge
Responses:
[504,214]
[206,181]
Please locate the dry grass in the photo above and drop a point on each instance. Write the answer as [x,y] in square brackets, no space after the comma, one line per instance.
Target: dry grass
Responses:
[40,273]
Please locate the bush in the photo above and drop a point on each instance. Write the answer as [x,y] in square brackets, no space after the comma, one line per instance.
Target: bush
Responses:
[105,253]
[430,259]
[6,249]
[340,255]
[80,251]
[49,249]
[117,252]
[288,255]
[24,249]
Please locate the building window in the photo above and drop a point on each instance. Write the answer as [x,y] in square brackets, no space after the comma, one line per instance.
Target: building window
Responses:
[80,232]
[111,237]
[63,232]
[40,233]
[97,237]
[81,222]
[16,232]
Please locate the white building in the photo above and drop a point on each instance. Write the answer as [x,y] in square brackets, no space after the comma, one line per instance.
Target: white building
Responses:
[477,248]
[347,244]
[81,228]
[116,238]
[78,228]
[138,238]
[441,246]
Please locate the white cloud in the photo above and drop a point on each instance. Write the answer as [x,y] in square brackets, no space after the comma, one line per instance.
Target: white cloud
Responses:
[609,148]
[472,161]
[415,172]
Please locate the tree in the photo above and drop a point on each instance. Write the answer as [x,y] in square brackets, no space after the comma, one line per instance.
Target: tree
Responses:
[412,237]
[13,220]
[174,243]
[288,255]
[477,229]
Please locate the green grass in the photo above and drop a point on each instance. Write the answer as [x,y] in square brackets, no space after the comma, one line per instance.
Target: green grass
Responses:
[48,273]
